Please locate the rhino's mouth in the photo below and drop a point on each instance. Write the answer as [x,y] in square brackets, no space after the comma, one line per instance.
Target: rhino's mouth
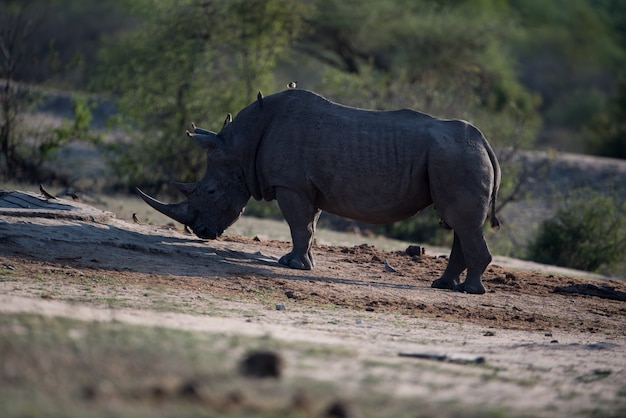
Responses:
[206,233]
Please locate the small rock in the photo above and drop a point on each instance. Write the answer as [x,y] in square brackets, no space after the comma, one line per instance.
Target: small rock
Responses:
[554,341]
[280,307]
[489,334]
[158,392]
[89,392]
[190,390]
[303,402]
[233,401]
[290,294]
[414,250]
[262,364]
[547,334]
[337,409]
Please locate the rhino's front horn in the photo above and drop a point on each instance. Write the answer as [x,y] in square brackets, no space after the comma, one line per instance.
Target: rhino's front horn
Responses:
[177,211]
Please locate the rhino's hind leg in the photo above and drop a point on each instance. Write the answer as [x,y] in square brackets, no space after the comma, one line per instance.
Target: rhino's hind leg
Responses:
[477,258]
[302,216]
[451,276]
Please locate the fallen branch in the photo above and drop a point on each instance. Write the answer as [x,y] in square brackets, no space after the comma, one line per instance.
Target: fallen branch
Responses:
[458,359]
[588,289]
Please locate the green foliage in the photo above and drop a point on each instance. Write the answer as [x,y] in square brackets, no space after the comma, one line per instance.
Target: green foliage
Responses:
[589,233]
[570,53]
[263,209]
[423,55]
[188,61]
[607,132]
[60,32]
[24,147]
[27,147]
[422,228]
[79,128]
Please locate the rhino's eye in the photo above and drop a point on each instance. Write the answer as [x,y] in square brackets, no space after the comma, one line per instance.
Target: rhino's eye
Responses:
[211,192]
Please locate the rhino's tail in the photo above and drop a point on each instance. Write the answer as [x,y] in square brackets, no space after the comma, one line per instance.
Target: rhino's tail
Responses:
[495,223]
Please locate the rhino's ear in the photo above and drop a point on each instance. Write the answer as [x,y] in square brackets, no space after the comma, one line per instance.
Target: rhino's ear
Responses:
[259,98]
[205,140]
[229,119]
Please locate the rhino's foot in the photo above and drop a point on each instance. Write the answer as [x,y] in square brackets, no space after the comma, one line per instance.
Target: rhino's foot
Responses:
[475,289]
[445,283]
[296,262]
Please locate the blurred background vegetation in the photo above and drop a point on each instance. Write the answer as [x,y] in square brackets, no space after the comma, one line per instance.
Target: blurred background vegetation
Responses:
[128,77]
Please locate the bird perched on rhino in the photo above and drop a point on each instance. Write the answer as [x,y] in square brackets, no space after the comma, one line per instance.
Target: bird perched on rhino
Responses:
[292,84]
[229,119]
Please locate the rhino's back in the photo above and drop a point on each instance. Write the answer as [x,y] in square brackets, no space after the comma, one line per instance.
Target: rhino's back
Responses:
[363,164]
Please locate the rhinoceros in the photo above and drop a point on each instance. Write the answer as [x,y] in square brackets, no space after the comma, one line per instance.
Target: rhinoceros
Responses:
[311,154]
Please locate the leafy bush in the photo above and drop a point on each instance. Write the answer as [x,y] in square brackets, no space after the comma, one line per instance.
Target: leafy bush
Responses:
[421,228]
[28,146]
[607,130]
[183,62]
[588,234]
[263,209]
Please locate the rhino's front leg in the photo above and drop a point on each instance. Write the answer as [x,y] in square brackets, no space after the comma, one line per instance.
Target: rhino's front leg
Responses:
[301,215]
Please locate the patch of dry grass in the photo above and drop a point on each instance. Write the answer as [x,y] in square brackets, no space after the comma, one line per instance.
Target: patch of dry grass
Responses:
[60,367]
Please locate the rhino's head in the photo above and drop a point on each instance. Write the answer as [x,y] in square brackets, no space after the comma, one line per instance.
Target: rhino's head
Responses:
[215,202]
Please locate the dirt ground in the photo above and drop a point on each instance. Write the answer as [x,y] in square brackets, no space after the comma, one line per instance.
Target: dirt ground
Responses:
[553,353]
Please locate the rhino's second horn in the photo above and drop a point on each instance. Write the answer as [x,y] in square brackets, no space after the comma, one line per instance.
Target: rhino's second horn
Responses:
[184,188]
[205,141]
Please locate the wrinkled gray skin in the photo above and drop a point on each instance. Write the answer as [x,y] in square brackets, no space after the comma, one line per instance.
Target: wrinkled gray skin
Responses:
[373,166]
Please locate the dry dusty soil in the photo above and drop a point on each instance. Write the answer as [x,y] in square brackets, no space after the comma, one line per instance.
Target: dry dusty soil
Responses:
[524,347]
